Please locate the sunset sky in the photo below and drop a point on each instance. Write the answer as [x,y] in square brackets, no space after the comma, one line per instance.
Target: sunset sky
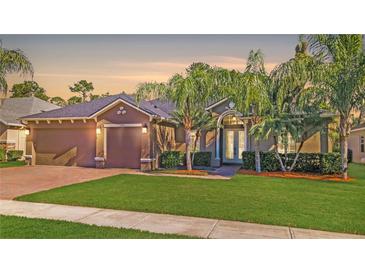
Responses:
[116,63]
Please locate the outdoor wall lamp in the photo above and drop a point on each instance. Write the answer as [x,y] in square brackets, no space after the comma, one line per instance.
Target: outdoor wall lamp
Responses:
[98,130]
[144,129]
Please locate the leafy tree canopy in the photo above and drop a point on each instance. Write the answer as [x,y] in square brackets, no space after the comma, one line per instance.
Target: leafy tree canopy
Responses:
[83,88]
[74,100]
[58,101]
[28,89]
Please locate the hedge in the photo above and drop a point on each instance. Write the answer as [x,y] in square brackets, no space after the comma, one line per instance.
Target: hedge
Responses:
[2,154]
[202,158]
[329,163]
[174,159]
[171,159]
[14,155]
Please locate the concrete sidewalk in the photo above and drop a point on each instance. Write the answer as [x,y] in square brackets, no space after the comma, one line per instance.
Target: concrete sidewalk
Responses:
[163,223]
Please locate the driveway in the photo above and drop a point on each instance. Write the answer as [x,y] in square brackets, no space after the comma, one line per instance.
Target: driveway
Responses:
[17,181]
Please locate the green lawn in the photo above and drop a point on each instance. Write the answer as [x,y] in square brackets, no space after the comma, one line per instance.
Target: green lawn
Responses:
[12,227]
[303,203]
[12,164]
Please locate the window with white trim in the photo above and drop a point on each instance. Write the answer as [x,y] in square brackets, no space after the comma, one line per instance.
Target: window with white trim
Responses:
[362,144]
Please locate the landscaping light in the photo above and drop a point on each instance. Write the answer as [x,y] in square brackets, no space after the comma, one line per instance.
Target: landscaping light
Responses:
[27,132]
[144,129]
[98,130]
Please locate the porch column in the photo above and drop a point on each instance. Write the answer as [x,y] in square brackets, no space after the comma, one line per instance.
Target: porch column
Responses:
[217,146]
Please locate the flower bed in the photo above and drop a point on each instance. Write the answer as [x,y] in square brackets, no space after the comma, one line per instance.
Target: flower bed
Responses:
[194,172]
[296,175]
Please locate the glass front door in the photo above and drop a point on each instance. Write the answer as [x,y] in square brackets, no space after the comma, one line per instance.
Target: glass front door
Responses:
[233,145]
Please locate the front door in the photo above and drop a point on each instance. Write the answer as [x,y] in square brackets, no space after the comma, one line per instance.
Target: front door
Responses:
[233,145]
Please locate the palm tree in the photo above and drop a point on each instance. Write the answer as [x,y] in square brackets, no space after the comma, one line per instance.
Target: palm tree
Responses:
[341,78]
[201,121]
[189,92]
[296,108]
[250,93]
[12,61]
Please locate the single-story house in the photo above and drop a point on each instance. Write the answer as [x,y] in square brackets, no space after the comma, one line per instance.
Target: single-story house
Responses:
[13,133]
[357,143]
[126,134]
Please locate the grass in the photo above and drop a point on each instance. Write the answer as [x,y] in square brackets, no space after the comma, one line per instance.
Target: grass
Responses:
[12,164]
[12,227]
[323,205]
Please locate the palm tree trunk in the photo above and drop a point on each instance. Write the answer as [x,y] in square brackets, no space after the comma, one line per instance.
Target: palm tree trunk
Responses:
[187,149]
[296,156]
[197,135]
[344,146]
[257,156]
[282,166]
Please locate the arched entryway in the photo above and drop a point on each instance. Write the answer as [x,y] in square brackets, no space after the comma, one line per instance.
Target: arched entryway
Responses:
[232,137]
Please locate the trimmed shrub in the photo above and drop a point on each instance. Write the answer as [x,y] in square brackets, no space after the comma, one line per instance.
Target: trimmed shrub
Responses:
[171,159]
[14,155]
[331,163]
[202,158]
[269,162]
[248,160]
[2,154]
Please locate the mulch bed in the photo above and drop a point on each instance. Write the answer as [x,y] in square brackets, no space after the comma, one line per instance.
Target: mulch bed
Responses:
[194,172]
[296,175]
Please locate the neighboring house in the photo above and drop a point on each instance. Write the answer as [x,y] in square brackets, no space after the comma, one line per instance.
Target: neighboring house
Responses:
[357,143]
[131,135]
[12,132]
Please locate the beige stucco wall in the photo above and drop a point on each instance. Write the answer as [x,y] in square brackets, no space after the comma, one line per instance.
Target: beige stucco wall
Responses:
[354,145]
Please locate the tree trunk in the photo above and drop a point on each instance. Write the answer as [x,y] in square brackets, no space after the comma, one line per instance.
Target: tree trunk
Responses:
[197,135]
[187,149]
[282,166]
[296,156]
[344,145]
[257,156]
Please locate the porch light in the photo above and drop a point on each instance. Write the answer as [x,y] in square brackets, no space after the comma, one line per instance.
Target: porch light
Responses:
[144,129]
[98,130]
[27,132]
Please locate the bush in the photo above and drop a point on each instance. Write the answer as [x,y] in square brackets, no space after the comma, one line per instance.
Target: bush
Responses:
[269,162]
[171,159]
[2,154]
[14,155]
[202,158]
[329,163]
[248,160]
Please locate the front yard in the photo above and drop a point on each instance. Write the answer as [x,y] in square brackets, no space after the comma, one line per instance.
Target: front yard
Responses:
[12,227]
[12,164]
[331,206]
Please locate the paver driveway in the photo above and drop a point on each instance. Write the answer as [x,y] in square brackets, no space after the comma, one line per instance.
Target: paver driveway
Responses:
[16,181]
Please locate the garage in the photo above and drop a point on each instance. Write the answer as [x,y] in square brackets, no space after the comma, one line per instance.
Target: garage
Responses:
[74,146]
[123,147]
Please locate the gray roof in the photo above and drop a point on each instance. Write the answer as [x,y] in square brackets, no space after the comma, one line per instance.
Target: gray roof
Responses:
[13,108]
[88,109]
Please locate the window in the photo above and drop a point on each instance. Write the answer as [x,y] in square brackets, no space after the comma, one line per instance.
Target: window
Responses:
[291,144]
[362,143]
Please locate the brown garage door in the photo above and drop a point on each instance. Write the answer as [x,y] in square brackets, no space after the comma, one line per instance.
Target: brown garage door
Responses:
[124,147]
[65,147]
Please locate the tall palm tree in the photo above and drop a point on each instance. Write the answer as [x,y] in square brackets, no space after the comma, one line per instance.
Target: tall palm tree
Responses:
[189,92]
[12,61]
[250,93]
[341,78]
